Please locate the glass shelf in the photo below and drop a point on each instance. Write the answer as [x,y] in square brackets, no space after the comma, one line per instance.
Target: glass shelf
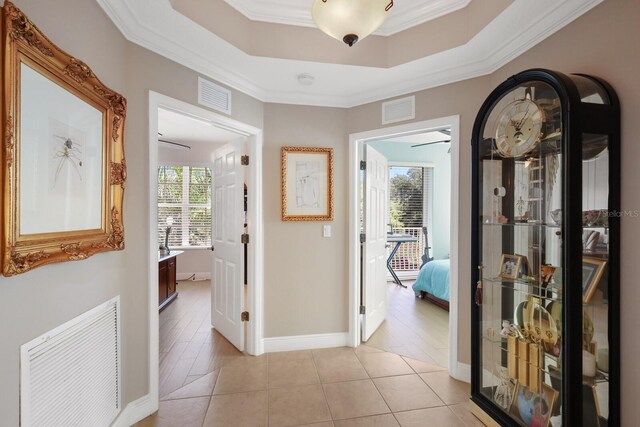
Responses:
[522,224]
[540,224]
[548,360]
[527,287]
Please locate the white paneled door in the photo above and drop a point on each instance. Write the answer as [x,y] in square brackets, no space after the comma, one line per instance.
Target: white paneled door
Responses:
[376,184]
[227,284]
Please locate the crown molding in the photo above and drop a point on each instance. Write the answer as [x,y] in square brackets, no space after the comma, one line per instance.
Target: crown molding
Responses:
[296,12]
[416,15]
[154,25]
[131,17]
[287,12]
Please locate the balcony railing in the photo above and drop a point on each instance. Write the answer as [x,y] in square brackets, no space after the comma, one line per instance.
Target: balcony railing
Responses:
[409,255]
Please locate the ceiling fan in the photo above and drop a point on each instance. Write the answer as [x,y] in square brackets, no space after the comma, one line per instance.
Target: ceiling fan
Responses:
[444,131]
[174,144]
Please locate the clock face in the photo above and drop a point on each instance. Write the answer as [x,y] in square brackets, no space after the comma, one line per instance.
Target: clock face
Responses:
[519,128]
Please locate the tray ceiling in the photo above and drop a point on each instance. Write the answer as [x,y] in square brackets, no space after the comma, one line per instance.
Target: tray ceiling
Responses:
[157,26]
[406,13]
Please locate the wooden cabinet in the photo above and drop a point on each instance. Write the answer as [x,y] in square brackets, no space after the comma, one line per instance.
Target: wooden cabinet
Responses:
[167,290]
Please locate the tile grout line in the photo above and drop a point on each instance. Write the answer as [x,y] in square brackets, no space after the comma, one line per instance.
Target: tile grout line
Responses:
[326,401]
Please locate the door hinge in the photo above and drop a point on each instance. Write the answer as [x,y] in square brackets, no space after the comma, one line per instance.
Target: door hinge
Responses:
[244,239]
[244,160]
[244,316]
[363,238]
[363,309]
[363,165]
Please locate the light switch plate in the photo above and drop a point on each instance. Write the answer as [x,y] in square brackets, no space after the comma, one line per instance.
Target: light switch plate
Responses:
[326,231]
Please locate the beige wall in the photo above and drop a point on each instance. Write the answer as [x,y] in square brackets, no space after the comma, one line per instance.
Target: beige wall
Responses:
[604,42]
[37,301]
[306,289]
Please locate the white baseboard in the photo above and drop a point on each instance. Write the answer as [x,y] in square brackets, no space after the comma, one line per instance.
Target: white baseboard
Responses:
[305,342]
[461,372]
[136,411]
[196,276]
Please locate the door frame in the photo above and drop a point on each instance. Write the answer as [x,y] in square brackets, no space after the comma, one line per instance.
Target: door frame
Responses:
[356,142]
[255,301]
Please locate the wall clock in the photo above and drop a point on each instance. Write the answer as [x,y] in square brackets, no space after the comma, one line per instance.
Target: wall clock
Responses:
[519,127]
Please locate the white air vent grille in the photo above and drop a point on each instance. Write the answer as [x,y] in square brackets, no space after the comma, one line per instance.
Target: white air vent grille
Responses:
[214,96]
[70,376]
[399,110]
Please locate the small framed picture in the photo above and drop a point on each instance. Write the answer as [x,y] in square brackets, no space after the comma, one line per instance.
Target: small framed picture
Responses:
[592,269]
[525,267]
[590,408]
[510,266]
[546,274]
[307,184]
[533,409]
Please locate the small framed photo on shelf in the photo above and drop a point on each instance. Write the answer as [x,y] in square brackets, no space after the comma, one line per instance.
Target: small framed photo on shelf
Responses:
[525,267]
[592,269]
[590,407]
[510,266]
[533,409]
[546,274]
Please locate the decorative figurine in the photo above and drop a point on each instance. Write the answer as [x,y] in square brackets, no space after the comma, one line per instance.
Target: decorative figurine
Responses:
[504,393]
[167,231]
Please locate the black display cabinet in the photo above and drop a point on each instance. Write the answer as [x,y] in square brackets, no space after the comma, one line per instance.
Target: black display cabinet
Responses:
[545,253]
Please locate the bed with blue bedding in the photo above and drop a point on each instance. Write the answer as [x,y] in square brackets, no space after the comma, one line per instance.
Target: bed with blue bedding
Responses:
[433,282]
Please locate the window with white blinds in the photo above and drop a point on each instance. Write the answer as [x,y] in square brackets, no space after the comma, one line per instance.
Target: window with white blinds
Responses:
[184,195]
[410,193]
[410,209]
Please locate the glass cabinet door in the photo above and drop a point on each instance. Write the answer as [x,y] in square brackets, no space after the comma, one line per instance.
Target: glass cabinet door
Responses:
[520,254]
[595,263]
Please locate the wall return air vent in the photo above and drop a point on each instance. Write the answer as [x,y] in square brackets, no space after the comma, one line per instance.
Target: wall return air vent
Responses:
[70,376]
[399,110]
[214,96]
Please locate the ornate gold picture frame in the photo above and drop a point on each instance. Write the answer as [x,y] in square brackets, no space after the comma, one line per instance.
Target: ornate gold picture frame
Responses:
[307,184]
[62,156]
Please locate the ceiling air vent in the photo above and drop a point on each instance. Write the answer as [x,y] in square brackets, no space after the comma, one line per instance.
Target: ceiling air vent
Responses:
[214,96]
[399,110]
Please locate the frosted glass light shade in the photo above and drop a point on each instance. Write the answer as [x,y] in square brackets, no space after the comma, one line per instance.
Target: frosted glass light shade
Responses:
[343,19]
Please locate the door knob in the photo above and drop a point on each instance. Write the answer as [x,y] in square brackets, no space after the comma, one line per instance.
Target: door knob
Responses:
[212,248]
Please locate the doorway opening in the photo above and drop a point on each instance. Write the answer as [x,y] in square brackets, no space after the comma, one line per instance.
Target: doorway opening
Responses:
[429,235]
[205,199]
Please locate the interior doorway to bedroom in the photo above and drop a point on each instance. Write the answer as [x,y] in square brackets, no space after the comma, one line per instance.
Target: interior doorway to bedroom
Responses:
[407,221]
[418,216]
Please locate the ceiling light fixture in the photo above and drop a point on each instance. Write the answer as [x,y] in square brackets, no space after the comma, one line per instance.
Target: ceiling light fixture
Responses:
[350,20]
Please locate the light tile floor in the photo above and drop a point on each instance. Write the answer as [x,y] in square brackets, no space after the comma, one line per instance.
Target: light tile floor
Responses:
[206,382]
[413,327]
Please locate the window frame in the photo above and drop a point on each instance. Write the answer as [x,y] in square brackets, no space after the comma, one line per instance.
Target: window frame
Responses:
[183,206]
[427,202]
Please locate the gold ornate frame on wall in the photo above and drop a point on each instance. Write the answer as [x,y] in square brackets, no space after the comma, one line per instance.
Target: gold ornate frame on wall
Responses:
[301,165]
[84,232]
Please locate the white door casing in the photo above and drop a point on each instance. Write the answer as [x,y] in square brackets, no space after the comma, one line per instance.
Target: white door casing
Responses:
[376,198]
[227,284]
